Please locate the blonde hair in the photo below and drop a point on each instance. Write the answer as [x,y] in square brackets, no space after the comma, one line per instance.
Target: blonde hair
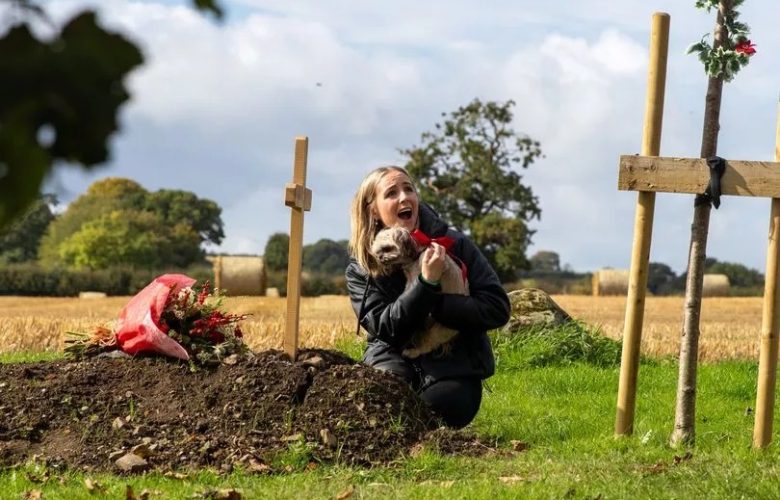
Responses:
[363,224]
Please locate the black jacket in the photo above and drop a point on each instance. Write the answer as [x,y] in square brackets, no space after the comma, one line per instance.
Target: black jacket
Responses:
[391,315]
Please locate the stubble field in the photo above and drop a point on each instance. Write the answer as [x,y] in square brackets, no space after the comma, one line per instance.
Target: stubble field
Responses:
[730,326]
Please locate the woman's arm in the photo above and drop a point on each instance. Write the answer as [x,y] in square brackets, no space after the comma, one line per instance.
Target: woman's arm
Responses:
[392,320]
[487,305]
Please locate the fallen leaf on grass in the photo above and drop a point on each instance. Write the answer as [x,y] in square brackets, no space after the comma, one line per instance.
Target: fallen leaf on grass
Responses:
[38,478]
[346,493]
[677,459]
[258,467]
[657,468]
[416,450]
[211,494]
[511,479]
[440,484]
[130,495]
[660,466]
[175,475]
[518,445]
[33,495]
[94,486]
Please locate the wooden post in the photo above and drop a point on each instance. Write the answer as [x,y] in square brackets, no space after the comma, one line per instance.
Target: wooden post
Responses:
[643,229]
[298,198]
[770,325]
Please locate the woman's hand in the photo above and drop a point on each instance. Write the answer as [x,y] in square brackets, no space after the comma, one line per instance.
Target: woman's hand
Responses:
[433,263]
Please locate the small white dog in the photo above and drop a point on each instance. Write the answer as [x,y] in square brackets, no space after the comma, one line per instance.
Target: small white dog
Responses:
[395,247]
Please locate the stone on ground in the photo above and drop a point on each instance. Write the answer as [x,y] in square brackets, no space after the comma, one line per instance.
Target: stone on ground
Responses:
[532,307]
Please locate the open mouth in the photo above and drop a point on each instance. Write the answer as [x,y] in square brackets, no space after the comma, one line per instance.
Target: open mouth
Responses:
[405,214]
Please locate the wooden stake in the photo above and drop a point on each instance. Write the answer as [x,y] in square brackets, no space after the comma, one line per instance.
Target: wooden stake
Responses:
[643,228]
[298,198]
[770,325]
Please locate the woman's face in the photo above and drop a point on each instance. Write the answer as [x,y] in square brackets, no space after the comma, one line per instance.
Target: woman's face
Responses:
[396,202]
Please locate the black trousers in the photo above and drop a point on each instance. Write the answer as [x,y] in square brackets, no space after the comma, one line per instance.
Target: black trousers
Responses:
[454,400]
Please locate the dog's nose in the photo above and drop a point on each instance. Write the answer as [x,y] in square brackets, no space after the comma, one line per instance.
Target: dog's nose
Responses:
[387,248]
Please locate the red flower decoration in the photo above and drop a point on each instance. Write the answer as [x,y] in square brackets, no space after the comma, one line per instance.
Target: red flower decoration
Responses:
[140,329]
[172,318]
[745,47]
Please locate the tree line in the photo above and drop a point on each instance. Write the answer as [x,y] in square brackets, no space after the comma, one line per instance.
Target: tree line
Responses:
[116,223]
[114,238]
[323,265]
[547,273]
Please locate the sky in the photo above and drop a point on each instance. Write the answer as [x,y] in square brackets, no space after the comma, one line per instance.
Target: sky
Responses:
[217,106]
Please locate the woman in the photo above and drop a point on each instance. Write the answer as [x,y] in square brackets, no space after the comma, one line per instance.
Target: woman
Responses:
[449,380]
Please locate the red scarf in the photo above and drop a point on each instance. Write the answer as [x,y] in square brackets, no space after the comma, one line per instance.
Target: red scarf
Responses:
[425,241]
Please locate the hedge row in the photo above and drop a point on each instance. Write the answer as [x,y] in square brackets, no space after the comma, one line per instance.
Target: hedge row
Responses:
[33,280]
[312,284]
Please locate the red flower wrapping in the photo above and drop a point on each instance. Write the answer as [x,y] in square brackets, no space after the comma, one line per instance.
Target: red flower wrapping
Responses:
[139,328]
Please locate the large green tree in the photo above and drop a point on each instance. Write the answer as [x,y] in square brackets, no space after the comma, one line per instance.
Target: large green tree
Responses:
[661,279]
[546,261]
[59,96]
[183,207]
[468,170]
[739,275]
[119,238]
[102,197]
[326,257]
[276,252]
[159,229]
[19,241]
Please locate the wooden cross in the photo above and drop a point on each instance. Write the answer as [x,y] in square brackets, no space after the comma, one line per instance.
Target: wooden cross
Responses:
[298,197]
[650,175]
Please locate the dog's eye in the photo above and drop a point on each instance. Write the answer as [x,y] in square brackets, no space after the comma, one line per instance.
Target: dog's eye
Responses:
[387,248]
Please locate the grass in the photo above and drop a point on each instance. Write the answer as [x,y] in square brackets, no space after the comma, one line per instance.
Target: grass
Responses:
[555,392]
[30,357]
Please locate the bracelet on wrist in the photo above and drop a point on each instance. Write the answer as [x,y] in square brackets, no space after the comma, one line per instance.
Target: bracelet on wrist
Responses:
[429,282]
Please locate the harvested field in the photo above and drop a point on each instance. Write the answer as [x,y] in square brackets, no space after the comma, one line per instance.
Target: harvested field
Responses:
[730,326]
[39,324]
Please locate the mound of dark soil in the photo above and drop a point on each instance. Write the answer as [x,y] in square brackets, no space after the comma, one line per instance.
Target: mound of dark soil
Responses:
[152,413]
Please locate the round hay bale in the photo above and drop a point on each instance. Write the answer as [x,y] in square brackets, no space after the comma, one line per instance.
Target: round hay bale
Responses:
[272,292]
[92,295]
[240,275]
[716,285]
[610,282]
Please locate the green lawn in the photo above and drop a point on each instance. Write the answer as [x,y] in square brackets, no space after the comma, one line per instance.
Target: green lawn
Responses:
[563,410]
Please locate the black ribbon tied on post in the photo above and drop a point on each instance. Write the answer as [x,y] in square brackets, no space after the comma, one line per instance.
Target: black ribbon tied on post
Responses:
[712,193]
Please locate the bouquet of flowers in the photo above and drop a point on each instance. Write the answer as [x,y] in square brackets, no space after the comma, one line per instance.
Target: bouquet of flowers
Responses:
[172,317]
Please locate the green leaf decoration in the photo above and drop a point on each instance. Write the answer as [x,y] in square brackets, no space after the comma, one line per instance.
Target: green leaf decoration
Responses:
[725,62]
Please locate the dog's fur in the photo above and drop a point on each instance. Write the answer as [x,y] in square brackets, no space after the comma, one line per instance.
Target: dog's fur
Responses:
[394,247]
